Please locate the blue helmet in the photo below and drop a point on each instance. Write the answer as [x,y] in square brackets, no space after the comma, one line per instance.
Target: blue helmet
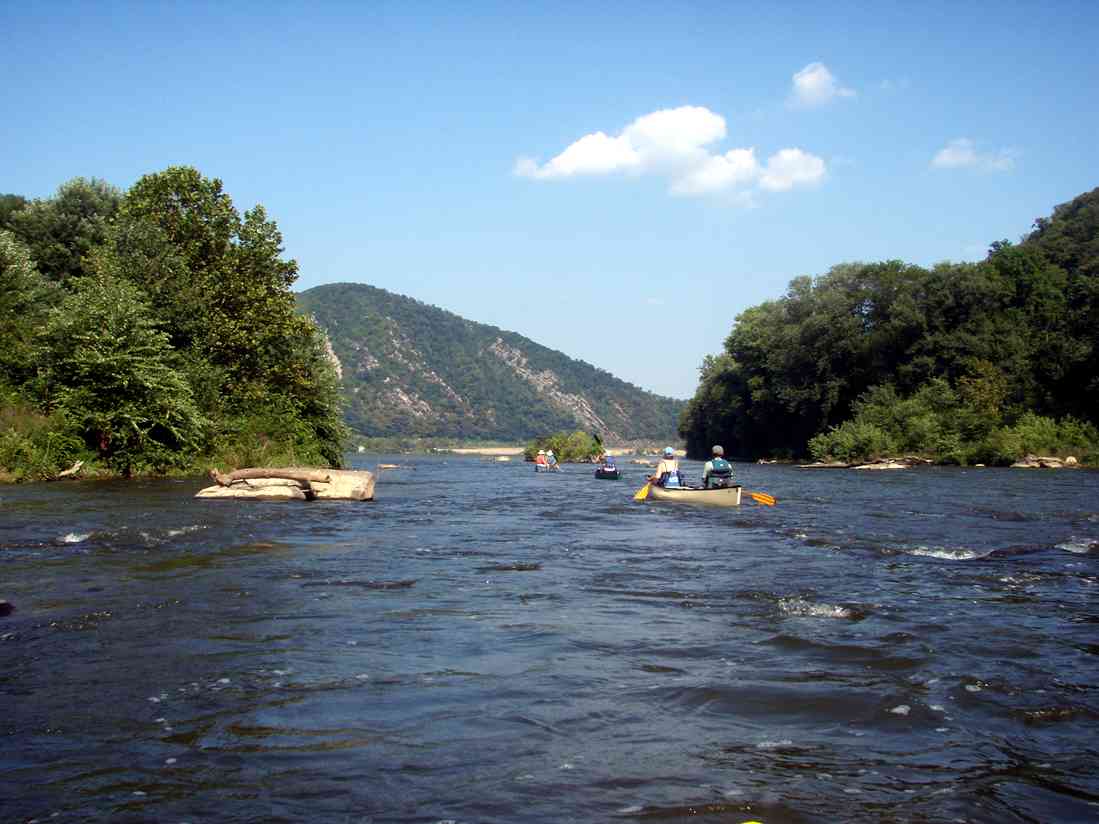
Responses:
[669,452]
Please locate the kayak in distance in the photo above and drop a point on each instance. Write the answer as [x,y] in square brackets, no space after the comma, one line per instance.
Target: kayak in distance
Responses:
[607,473]
[727,496]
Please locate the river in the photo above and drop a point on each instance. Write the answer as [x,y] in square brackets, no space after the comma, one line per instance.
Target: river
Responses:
[487,644]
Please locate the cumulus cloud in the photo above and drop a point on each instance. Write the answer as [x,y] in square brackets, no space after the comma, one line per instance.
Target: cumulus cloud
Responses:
[790,168]
[675,144]
[815,85]
[962,153]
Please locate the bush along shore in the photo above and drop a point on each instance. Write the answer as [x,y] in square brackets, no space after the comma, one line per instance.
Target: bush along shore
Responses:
[568,447]
[154,331]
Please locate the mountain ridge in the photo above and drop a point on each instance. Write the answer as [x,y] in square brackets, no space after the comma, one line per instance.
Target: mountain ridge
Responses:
[408,368]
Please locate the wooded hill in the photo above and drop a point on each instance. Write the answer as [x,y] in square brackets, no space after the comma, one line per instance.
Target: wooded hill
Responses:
[962,362]
[410,369]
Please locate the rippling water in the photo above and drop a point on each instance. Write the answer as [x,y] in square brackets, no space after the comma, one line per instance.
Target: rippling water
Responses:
[484,644]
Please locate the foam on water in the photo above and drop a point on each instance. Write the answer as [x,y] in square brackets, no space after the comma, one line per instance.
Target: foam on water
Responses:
[75,537]
[801,607]
[949,553]
[1079,547]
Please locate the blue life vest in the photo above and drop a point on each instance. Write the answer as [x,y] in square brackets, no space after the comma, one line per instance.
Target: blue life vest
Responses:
[721,473]
[670,480]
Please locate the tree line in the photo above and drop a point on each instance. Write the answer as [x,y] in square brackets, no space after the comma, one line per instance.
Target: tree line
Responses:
[961,362]
[154,330]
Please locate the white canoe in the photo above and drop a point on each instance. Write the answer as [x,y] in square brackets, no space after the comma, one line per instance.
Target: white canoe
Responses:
[730,496]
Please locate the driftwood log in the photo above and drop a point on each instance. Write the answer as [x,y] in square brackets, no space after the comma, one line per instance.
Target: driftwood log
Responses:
[302,476]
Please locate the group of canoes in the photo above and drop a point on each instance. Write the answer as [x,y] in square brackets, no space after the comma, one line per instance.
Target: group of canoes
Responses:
[667,483]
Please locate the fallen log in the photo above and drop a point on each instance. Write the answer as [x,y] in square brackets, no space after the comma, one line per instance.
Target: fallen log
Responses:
[72,470]
[302,476]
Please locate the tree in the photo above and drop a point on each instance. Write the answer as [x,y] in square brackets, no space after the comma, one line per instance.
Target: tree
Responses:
[25,299]
[62,231]
[9,205]
[113,373]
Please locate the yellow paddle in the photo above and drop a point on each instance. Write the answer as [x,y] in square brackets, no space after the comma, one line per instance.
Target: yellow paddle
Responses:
[763,498]
[643,492]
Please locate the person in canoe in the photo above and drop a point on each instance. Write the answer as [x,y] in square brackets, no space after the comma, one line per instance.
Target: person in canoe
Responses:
[540,464]
[667,472]
[551,461]
[718,472]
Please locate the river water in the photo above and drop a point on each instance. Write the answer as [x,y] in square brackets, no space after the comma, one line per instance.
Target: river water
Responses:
[484,644]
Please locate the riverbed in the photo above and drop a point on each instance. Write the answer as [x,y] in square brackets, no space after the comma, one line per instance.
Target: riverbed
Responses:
[487,644]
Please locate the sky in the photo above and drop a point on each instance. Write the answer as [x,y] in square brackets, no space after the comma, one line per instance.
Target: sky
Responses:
[617,181]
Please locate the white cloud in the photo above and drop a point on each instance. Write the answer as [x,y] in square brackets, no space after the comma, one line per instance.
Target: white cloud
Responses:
[789,168]
[815,85]
[961,153]
[673,143]
[592,154]
[717,172]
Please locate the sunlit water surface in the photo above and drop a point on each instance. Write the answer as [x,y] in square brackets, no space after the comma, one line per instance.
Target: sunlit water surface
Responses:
[484,644]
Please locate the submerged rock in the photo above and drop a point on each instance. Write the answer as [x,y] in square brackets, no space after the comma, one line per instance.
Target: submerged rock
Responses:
[6,608]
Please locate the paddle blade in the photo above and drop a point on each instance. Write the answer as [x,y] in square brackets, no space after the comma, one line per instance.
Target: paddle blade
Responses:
[642,493]
[763,498]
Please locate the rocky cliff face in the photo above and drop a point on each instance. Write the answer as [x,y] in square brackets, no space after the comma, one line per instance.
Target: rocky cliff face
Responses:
[412,369]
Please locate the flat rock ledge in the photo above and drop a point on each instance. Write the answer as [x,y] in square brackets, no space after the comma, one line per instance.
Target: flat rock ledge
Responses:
[291,484]
[1044,462]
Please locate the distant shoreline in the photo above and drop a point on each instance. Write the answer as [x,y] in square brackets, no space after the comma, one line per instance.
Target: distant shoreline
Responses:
[511,450]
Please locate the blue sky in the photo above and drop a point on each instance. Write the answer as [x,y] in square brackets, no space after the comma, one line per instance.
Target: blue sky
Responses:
[617,181]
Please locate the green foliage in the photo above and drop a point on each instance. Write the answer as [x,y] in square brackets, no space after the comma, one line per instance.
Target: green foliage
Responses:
[413,370]
[9,205]
[25,298]
[851,441]
[113,374]
[177,337]
[568,447]
[34,446]
[966,348]
[946,426]
[62,231]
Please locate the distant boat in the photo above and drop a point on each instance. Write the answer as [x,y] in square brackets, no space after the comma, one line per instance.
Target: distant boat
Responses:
[607,473]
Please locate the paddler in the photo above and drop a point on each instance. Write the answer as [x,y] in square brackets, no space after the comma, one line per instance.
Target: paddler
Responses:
[667,472]
[718,472]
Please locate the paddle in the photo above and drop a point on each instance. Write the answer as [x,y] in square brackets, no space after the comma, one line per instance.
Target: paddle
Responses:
[763,498]
[643,492]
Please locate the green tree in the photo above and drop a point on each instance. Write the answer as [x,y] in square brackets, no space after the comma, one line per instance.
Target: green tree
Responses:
[9,205]
[25,299]
[113,373]
[62,231]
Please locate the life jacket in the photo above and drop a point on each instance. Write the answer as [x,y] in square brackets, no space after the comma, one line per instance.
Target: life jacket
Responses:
[721,473]
[670,478]
[540,460]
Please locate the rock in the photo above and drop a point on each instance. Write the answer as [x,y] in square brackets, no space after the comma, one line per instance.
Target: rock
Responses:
[342,485]
[6,608]
[1071,461]
[825,465]
[883,465]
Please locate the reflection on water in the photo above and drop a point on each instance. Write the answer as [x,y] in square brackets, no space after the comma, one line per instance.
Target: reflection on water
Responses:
[487,644]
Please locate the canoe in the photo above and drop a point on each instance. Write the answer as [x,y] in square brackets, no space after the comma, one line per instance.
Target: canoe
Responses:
[607,474]
[729,496]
